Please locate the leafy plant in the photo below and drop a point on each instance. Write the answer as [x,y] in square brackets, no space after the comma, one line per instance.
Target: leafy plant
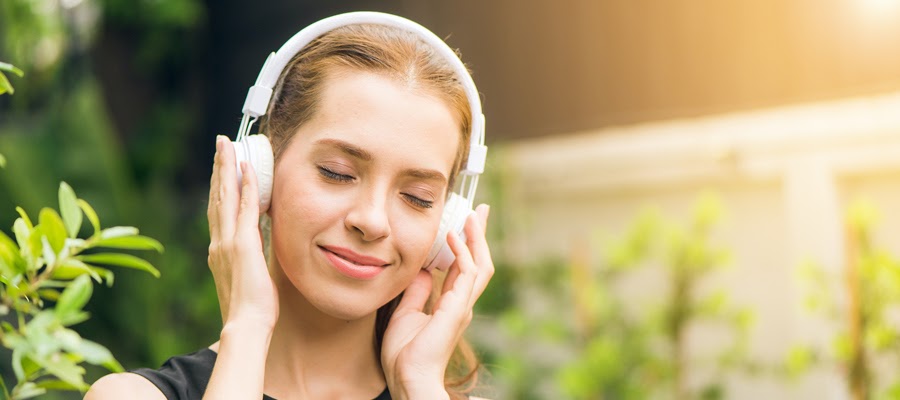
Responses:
[581,322]
[870,289]
[643,354]
[49,263]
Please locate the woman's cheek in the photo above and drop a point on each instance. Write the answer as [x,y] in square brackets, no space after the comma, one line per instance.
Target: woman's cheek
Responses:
[418,235]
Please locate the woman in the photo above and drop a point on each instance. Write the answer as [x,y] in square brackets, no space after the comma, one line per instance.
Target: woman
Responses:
[369,128]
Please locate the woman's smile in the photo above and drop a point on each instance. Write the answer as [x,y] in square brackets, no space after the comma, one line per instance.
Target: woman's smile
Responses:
[352,264]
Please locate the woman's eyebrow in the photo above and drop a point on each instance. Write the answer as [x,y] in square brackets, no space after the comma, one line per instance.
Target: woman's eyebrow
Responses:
[425,174]
[347,148]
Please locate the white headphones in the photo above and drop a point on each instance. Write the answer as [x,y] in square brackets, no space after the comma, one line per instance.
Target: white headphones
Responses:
[257,150]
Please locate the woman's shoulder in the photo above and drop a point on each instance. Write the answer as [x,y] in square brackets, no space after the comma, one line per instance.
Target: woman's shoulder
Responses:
[115,386]
[180,377]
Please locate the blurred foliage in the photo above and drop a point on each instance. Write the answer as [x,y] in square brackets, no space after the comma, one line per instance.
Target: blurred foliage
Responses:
[5,86]
[48,262]
[864,301]
[58,127]
[617,327]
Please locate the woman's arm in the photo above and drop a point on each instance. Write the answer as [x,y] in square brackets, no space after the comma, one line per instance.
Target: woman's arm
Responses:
[123,385]
[240,364]
[247,295]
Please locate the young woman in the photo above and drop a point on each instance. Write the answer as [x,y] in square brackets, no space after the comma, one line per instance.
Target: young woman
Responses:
[369,127]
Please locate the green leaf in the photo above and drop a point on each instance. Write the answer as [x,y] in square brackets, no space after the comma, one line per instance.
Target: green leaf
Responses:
[54,384]
[118,231]
[49,294]
[11,261]
[26,236]
[72,319]
[17,364]
[25,217]
[104,274]
[66,370]
[91,214]
[121,260]
[137,242]
[71,268]
[28,390]
[22,232]
[2,161]
[96,354]
[30,367]
[68,206]
[53,228]
[47,251]
[11,68]
[5,86]
[74,297]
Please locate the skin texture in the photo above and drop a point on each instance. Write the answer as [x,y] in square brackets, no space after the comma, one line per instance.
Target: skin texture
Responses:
[367,173]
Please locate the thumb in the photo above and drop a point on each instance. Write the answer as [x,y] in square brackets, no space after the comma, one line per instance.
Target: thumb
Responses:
[416,294]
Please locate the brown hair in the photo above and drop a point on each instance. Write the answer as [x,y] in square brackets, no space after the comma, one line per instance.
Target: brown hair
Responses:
[398,55]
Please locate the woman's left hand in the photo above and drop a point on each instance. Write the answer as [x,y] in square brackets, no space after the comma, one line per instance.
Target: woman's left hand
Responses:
[417,346]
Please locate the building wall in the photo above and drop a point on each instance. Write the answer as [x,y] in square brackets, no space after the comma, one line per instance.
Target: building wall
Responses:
[785,177]
[551,67]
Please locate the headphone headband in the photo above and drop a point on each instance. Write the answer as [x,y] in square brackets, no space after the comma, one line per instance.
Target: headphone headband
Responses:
[260,93]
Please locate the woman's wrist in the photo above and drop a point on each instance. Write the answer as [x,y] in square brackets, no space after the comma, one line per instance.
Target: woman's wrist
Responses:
[423,391]
[246,332]
[248,318]
[418,388]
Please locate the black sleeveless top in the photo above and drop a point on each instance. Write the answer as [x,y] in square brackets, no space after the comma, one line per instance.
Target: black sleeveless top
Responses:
[185,377]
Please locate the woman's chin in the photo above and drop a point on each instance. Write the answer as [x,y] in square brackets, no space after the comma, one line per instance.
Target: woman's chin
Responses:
[340,302]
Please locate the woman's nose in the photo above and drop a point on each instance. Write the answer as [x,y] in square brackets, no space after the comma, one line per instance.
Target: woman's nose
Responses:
[369,217]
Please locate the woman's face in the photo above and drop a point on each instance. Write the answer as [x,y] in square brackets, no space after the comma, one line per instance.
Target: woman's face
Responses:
[358,192]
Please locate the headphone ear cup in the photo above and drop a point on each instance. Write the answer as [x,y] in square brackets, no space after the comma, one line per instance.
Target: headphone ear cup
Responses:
[257,150]
[456,210]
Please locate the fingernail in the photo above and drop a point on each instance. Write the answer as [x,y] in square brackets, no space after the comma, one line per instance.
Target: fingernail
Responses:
[220,143]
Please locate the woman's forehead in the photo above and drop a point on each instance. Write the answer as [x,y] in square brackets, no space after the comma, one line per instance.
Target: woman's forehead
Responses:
[386,118]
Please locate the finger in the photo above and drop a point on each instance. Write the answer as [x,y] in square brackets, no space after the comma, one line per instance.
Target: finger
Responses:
[481,253]
[468,271]
[452,273]
[449,278]
[228,190]
[483,211]
[212,214]
[416,295]
[248,213]
[453,313]
[221,209]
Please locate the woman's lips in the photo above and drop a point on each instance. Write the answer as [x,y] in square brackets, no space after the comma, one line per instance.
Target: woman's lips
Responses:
[352,264]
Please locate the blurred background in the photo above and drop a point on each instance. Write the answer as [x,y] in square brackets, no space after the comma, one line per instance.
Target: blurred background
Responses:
[690,199]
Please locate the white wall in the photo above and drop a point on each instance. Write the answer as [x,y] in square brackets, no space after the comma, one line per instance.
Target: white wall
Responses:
[784,176]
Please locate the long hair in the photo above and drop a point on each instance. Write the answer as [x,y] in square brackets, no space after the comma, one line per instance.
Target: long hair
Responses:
[405,58]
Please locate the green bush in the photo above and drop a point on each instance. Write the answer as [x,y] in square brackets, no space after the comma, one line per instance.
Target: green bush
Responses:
[46,279]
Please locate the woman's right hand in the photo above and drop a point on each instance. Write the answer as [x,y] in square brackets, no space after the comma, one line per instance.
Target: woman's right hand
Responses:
[243,284]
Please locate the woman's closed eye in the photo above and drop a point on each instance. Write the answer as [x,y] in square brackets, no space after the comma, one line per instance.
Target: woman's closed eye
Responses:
[418,202]
[334,176]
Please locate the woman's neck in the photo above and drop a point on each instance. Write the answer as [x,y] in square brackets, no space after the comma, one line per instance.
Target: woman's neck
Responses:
[315,354]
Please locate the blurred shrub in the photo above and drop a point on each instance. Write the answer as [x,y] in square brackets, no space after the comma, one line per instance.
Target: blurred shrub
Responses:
[864,301]
[587,330]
